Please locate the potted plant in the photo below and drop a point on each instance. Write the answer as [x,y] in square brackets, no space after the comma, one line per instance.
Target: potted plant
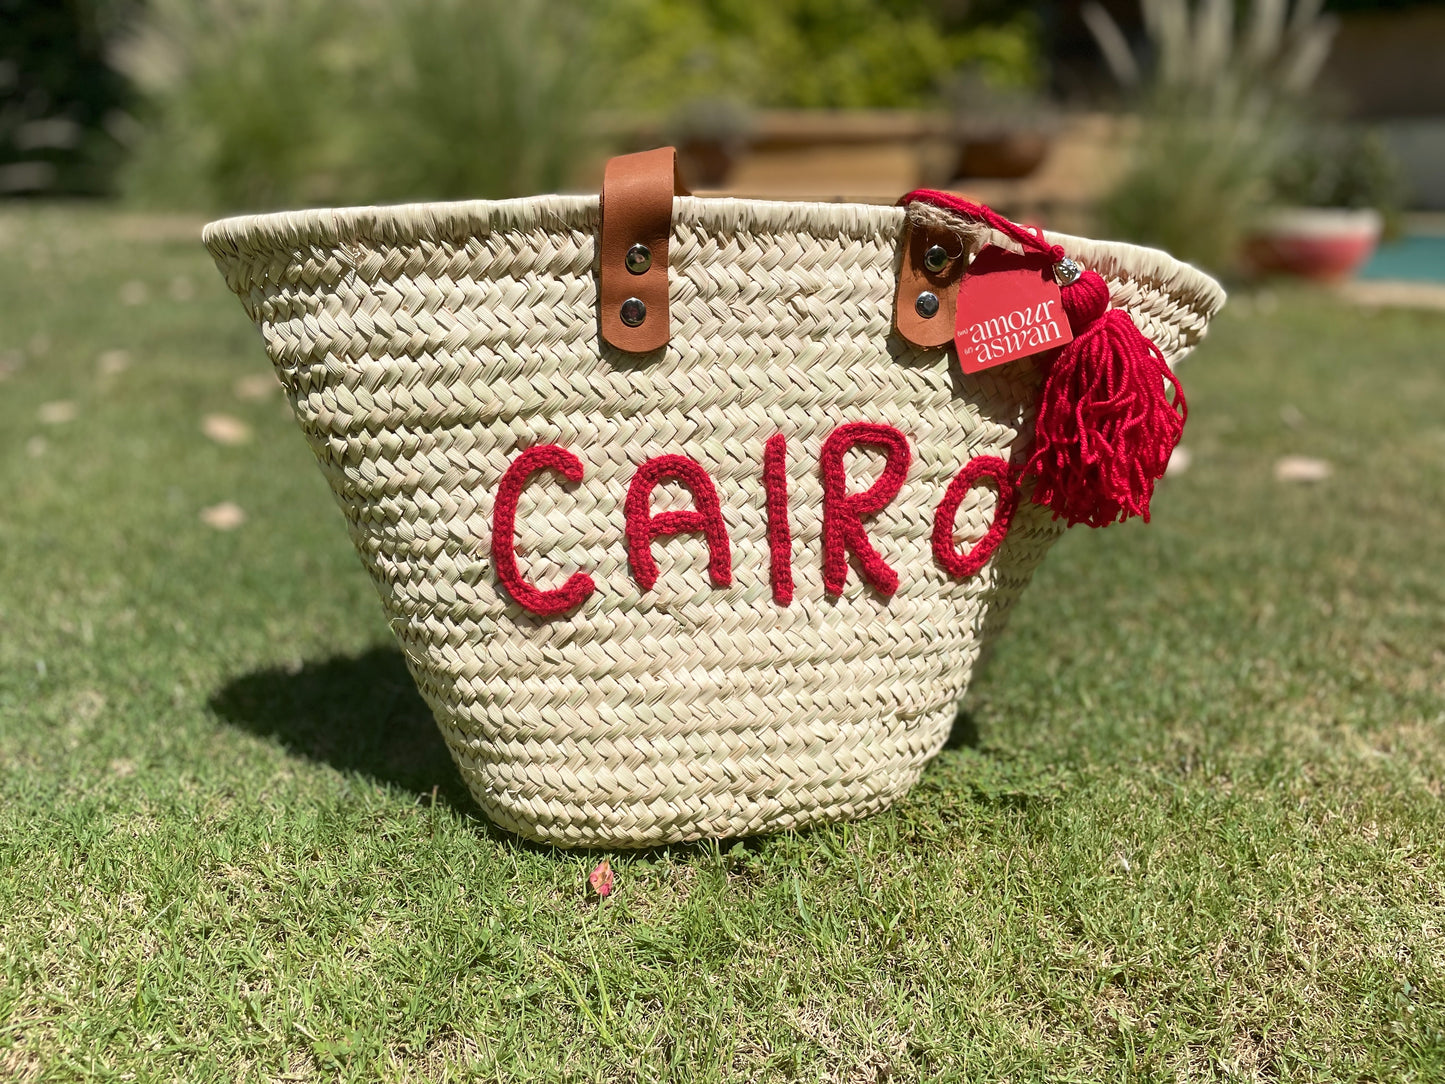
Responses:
[709,134]
[1332,197]
[999,132]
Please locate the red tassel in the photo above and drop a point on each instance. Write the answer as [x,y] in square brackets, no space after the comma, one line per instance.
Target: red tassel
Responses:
[1105,428]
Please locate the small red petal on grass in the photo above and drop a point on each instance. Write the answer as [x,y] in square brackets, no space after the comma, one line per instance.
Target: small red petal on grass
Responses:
[601,878]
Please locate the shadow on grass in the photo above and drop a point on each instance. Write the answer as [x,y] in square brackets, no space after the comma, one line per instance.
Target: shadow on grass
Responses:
[964,733]
[357,713]
[363,714]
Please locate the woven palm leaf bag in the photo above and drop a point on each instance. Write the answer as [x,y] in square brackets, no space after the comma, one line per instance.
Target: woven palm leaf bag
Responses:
[684,526]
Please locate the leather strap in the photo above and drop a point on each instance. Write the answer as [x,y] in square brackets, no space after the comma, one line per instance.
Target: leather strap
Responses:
[914,279]
[637,192]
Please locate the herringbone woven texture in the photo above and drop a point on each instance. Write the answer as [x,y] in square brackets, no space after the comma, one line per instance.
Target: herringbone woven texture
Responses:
[423,347]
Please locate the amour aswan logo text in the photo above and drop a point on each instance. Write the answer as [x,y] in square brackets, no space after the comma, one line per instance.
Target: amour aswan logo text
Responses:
[1023,331]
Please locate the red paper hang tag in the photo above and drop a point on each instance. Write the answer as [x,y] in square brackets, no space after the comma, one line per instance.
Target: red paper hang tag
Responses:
[1008,308]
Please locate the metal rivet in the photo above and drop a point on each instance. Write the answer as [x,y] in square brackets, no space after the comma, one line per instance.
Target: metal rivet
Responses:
[639,259]
[634,311]
[927,305]
[935,259]
[1067,272]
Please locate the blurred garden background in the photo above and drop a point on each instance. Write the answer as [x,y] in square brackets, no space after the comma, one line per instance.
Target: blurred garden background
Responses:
[1190,823]
[1170,122]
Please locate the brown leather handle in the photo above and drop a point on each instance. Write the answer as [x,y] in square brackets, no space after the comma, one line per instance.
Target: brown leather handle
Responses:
[637,192]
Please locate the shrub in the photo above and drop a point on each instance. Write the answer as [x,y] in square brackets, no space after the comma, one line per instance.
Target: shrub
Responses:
[61,104]
[1193,187]
[1339,166]
[267,103]
[478,98]
[247,101]
[804,53]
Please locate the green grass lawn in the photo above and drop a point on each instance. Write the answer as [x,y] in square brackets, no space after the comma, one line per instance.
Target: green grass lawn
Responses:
[1190,826]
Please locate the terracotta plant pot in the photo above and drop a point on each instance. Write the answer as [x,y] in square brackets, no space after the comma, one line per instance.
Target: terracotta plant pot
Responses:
[707,163]
[1327,244]
[1004,155]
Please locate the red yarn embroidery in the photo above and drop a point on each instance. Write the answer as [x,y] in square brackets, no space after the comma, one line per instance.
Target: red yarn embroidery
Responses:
[843,512]
[643,526]
[504,528]
[780,534]
[963,565]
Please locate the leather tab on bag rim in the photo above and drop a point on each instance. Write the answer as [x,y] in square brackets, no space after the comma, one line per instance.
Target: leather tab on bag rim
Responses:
[928,321]
[637,193]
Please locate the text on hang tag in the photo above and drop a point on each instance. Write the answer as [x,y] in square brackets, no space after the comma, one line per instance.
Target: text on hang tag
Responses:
[1009,307]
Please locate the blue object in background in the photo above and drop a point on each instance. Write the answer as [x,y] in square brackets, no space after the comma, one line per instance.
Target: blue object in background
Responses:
[1418,257]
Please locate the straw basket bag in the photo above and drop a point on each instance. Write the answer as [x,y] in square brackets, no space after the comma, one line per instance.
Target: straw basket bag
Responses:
[651,490]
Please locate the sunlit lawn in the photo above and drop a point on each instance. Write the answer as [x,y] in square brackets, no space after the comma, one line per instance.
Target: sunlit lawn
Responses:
[1191,826]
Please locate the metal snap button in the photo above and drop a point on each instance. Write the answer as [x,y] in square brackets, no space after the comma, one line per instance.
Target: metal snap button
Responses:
[927,305]
[935,259]
[639,259]
[634,311]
